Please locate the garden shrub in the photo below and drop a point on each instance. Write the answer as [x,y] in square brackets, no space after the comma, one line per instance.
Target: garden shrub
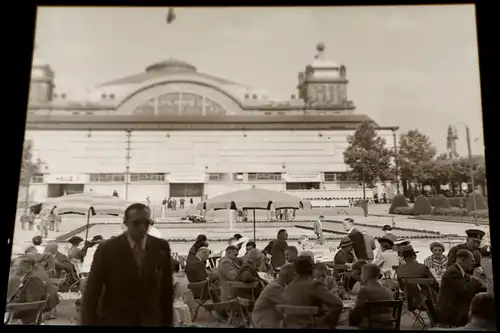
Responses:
[440,202]
[399,200]
[422,206]
[480,202]
[404,211]
[482,214]
[456,202]
[460,212]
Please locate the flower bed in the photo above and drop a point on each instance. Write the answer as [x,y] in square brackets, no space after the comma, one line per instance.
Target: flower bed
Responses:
[448,212]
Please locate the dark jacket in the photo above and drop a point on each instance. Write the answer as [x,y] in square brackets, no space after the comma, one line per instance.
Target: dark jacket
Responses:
[452,255]
[278,253]
[359,244]
[359,314]
[195,269]
[455,296]
[342,257]
[30,289]
[129,298]
[416,270]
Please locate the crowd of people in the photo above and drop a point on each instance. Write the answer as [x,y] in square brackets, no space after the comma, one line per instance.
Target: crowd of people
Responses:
[148,284]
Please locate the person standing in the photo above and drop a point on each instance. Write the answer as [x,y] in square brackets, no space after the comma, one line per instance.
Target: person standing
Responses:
[318,229]
[163,207]
[181,203]
[359,243]
[136,290]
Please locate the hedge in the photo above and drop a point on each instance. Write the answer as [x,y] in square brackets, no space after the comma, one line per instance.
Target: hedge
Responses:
[404,211]
[440,201]
[456,202]
[480,202]
[422,206]
[452,212]
[398,201]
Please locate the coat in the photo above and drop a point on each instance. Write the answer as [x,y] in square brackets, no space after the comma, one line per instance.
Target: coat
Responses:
[195,269]
[227,270]
[416,270]
[452,254]
[129,298]
[359,244]
[455,295]
[264,314]
[342,257]
[28,289]
[370,293]
[278,253]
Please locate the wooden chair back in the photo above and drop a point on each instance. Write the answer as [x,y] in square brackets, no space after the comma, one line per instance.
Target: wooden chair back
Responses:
[396,307]
[200,290]
[245,286]
[289,311]
[13,308]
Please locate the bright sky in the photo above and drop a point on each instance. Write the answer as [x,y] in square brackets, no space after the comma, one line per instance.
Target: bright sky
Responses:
[410,66]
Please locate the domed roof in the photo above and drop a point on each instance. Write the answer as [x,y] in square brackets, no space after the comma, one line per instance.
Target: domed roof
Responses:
[319,59]
[171,64]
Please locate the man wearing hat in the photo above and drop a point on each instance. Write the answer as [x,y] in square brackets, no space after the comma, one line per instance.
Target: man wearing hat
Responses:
[74,252]
[37,242]
[387,258]
[473,243]
[346,253]
[387,229]
[412,269]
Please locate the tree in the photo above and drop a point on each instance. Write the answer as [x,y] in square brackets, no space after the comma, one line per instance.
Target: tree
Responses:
[29,167]
[414,148]
[367,155]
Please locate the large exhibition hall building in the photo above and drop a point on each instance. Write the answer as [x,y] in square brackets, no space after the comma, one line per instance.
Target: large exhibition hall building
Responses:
[172,131]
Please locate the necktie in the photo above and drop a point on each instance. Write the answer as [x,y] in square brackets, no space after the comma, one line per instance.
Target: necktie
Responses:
[138,255]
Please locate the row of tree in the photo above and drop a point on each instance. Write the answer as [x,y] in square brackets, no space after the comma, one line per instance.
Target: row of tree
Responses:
[416,163]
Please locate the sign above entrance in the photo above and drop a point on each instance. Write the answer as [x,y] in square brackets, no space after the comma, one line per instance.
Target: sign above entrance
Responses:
[302,177]
[186,178]
[66,179]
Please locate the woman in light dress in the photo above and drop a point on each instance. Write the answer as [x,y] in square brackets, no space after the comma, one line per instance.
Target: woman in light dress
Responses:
[437,261]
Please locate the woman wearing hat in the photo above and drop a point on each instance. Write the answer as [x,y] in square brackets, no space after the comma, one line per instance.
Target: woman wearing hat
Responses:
[346,253]
[437,261]
[387,258]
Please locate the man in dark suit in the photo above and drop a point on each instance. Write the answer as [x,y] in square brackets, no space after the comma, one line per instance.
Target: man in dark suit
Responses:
[278,249]
[473,243]
[345,254]
[196,270]
[458,288]
[359,243]
[371,291]
[130,277]
[412,269]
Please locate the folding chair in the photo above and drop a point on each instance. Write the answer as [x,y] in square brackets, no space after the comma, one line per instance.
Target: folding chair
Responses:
[229,308]
[238,287]
[291,311]
[396,306]
[244,308]
[427,305]
[201,295]
[13,308]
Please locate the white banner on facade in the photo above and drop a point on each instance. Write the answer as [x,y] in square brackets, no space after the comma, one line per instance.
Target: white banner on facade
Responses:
[302,177]
[186,178]
[66,178]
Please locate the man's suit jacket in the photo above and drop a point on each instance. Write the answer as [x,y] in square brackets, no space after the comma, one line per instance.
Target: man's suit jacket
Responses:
[415,270]
[359,244]
[359,315]
[452,254]
[342,257]
[195,269]
[455,295]
[129,298]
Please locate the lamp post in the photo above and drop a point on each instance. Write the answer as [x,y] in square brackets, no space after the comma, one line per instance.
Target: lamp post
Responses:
[396,159]
[471,171]
[363,183]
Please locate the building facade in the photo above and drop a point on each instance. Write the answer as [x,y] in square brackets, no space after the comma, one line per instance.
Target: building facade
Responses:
[174,132]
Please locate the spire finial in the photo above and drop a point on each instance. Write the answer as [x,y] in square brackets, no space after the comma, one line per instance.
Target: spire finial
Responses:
[320,47]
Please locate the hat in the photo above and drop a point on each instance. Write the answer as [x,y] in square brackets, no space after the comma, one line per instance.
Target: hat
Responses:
[386,227]
[37,239]
[386,240]
[321,215]
[408,251]
[97,238]
[345,242]
[475,233]
[75,240]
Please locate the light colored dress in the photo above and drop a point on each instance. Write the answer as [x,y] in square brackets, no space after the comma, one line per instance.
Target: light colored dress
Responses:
[437,266]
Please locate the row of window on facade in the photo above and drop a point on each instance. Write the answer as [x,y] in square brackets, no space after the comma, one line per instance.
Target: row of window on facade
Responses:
[212,177]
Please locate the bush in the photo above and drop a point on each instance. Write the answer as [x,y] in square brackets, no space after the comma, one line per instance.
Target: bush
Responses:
[480,202]
[450,211]
[482,214]
[456,202]
[398,201]
[440,202]
[404,211]
[422,206]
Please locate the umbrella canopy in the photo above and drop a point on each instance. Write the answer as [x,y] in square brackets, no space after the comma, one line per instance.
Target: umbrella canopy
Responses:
[254,198]
[81,202]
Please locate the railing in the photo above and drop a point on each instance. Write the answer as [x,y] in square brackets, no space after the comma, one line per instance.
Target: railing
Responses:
[330,194]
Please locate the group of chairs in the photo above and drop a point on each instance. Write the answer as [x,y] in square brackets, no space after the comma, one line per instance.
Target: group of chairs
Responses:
[67,282]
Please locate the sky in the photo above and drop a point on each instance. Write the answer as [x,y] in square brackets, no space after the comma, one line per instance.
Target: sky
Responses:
[415,67]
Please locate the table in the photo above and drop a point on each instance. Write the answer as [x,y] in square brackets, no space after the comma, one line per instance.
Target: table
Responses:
[348,304]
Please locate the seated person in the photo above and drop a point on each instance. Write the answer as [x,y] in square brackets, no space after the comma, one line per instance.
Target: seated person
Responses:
[291,254]
[227,270]
[248,273]
[264,314]
[353,281]
[74,252]
[386,258]
[482,314]
[320,274]
[64,268]
[371,291]
[413,269]
[345,255]
[196,267]
[305,291]
[28,283]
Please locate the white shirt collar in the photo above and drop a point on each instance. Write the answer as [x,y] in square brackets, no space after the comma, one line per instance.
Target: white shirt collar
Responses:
[461,270]
[133,243]
[350,230]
